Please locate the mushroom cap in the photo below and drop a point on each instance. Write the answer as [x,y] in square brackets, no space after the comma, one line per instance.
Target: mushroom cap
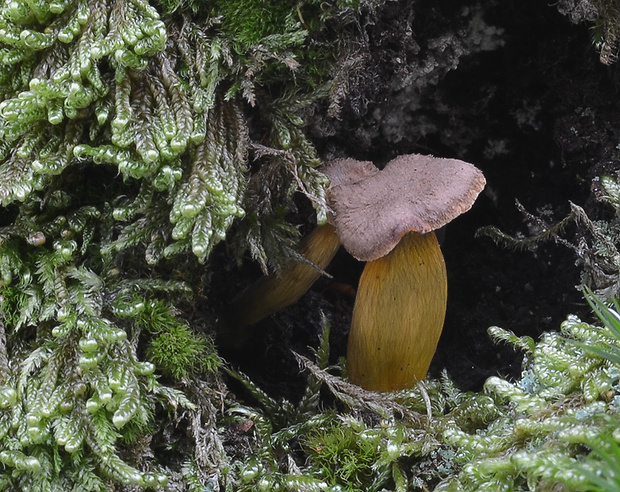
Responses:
[373,210]
[346,171]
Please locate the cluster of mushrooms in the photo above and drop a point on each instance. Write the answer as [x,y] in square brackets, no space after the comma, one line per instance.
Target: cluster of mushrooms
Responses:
[387,219]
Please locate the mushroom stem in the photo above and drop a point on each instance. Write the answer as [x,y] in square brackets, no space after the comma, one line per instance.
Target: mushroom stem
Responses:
[398,315]
[274,292]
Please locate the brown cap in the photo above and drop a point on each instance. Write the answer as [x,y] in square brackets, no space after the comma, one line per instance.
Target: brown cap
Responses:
[373,210]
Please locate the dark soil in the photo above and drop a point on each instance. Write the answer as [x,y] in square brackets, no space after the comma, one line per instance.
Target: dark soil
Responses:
[538,114]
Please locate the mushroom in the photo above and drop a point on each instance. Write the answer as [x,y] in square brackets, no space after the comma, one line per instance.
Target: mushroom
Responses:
[387,219]
[276,291]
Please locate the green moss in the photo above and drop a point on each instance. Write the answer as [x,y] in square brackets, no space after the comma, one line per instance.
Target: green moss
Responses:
[155,316]
[180,353]
[342,456]
[563,407]
[12,301]
[77,391]
[248,21]
[173,347]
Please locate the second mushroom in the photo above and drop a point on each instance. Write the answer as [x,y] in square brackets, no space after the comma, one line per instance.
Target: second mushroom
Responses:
[387,219]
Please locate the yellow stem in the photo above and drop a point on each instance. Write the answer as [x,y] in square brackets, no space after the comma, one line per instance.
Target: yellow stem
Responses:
[274,292]
[398,315]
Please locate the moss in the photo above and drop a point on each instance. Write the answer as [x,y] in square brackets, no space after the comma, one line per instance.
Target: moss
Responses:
[342,457]
[249,21]
[550,421]
[13,301]
[127,130]
[179,353]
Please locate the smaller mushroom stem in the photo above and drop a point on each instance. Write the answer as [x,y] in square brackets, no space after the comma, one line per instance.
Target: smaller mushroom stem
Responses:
[398,315]
[273,292]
